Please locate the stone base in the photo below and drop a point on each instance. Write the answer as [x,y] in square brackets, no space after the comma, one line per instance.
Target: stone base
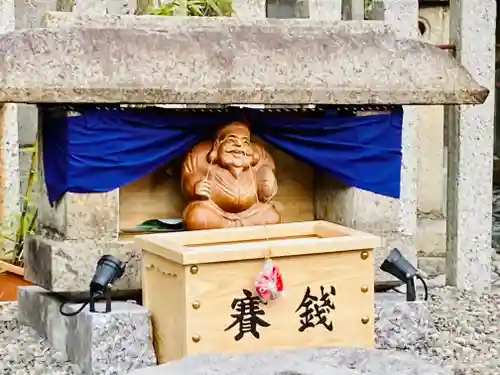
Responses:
[101,344]
[432,266]
[338,361]
[431,246]
[68,265]
[400,324]
[431,237]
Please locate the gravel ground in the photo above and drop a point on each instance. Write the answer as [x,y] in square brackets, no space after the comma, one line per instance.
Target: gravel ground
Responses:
[23,352]
[468,340]
[469,332]
[496,218]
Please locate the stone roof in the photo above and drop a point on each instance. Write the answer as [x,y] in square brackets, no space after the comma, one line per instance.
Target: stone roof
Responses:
[154,59]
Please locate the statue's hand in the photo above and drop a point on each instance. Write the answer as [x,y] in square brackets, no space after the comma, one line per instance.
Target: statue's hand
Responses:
[203,189]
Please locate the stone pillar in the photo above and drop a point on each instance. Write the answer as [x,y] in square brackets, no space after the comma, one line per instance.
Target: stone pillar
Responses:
[91,216]
[394,219]
[431,234]
[431,163]
[9,152]
[29,15]
[325,10]
[249,9]
[470,151]
[90,7]
[81,227]
[353,10]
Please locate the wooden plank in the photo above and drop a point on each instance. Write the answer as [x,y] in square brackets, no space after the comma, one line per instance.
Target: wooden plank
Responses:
[163,288]
[7,267]
[256,243]
[236,234]
[315,228]
[274,249]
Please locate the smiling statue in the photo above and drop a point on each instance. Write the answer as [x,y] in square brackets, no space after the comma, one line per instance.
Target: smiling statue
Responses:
[229,182]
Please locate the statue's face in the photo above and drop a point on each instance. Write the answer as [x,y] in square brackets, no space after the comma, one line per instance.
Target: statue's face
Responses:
[235,150]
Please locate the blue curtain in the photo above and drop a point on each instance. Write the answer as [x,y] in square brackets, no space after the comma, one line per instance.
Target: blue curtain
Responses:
[98,150]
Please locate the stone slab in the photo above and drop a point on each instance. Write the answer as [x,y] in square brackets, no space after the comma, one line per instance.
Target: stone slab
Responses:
[101,344]
[68,265]
[231,61]
[400,324]
[300,362]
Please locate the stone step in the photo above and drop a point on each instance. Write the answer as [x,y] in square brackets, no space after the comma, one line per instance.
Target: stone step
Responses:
[325,361]
[121,341]
[400,324]
[68,265]
[101,344]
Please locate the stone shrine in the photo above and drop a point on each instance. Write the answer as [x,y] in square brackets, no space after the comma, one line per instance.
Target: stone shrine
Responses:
[65,262]
[82,227]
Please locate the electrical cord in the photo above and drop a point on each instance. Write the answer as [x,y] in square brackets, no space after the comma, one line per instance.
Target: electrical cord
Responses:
[74,313]
[108,270]
[424,284]
[95,295]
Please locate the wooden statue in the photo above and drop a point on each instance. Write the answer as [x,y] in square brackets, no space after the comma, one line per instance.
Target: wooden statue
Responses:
[229,182]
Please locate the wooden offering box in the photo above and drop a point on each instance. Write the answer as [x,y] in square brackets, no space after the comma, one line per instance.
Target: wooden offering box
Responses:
[199,287]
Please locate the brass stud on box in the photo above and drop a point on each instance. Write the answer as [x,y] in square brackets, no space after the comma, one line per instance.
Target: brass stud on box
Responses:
[194,270]
[364,255]
[365,320]
[196,338]
[364,289]
[196,305]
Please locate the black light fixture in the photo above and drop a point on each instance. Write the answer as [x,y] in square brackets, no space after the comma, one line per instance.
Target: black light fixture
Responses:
[398,266]
[108,270]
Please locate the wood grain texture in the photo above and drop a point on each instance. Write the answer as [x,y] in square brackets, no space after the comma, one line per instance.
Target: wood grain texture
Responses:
[177,323]
[163,288]
[256,242]
[218,284]
[191,303]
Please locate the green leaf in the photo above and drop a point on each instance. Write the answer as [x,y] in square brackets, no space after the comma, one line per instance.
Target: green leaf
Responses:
[214,7]
[200,8]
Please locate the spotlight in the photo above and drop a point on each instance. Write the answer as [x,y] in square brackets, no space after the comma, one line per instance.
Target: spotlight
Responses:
[108,270]
[398,266]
